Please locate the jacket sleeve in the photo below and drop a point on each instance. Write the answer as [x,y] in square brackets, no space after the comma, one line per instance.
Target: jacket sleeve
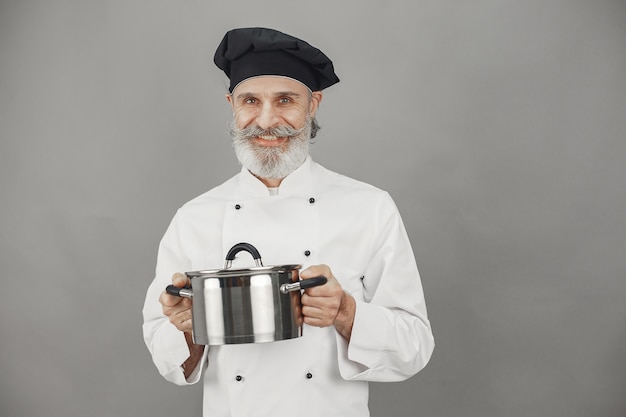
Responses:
[391,336]
[165,342]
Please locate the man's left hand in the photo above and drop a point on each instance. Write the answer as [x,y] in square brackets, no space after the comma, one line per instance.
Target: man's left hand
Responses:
[328,304]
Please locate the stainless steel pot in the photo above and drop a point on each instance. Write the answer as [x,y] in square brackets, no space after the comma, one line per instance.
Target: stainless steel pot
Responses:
[252,305]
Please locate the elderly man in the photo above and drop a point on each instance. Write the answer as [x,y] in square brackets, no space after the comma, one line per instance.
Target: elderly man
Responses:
[367,323]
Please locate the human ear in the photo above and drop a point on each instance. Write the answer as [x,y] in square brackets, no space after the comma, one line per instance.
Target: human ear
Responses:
[316,99]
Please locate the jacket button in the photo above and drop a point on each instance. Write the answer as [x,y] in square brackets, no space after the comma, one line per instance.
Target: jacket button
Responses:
[311,200]
[307,253]
[309,375]
[239,378]
[237,206]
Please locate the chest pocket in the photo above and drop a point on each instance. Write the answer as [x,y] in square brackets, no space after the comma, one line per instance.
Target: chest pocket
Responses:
[284,229]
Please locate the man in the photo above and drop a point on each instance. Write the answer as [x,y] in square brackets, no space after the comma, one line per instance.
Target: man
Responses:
[367,323]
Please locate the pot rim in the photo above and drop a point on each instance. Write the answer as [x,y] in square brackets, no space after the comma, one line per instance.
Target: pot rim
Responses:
[256,270]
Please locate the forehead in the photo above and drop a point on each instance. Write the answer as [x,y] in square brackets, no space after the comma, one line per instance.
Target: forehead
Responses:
[270,85]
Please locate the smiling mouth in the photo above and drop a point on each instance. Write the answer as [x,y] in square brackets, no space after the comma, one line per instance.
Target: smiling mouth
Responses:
[271,140]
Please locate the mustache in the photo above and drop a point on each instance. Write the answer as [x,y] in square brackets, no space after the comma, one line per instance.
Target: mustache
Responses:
[254,131]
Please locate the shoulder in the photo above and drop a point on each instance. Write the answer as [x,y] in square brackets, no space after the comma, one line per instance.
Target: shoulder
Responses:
[212,198]
[348,187]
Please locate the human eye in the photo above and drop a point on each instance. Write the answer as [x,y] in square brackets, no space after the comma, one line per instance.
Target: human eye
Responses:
[285,100]
[249,100]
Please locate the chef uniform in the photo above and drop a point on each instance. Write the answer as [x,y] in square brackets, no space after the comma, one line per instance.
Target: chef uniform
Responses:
[315,217]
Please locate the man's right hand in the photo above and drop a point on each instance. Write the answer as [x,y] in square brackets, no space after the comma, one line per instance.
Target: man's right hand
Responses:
[177,309]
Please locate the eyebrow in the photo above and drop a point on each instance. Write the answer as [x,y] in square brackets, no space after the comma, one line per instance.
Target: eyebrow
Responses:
[278,94]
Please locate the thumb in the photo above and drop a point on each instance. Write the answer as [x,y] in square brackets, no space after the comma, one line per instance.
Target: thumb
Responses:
[180,280]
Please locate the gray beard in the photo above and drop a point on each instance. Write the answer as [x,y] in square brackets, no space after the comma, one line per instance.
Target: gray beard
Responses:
[271,162]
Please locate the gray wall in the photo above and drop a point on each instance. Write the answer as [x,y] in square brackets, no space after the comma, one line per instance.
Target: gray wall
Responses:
[498,126]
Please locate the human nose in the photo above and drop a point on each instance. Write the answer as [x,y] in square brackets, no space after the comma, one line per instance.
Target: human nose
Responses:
[267,117]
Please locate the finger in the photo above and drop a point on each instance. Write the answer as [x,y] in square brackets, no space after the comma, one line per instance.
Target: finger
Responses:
[315,322]
[181,316]
[186,326]
[182,321]
[330,303]
[317,317]
[178,312]
[316,271]
[168,300]
[180,280]
[331,289]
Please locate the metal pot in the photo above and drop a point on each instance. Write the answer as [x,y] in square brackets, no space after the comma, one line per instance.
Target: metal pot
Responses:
[257,304]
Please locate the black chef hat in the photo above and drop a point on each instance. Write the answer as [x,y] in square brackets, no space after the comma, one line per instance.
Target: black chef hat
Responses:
[250,52]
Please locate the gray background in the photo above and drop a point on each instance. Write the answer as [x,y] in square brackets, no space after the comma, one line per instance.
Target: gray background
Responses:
[499,127]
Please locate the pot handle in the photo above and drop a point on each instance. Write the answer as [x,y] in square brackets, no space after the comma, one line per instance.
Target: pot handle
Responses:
[230,256]
[179,292]
[303,284]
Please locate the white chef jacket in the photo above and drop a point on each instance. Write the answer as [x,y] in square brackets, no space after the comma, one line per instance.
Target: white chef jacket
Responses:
[317,217]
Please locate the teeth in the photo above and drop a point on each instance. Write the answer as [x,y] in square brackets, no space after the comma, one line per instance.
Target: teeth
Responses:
[268,137]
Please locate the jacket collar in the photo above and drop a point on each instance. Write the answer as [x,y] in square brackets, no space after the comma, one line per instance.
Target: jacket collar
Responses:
[300,182]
